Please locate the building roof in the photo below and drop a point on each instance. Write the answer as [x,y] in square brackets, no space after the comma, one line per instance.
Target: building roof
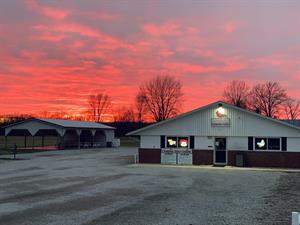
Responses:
[68,123]
[135,132]
[293,122]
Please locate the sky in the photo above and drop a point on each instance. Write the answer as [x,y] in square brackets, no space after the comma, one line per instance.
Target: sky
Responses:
[55,53]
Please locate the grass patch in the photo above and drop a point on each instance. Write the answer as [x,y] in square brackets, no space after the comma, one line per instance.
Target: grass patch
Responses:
[129,142]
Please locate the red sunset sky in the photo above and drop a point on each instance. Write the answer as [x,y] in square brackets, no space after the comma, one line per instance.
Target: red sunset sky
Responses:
[54,53]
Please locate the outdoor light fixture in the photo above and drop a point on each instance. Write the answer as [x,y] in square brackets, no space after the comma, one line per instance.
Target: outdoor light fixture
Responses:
[220,111]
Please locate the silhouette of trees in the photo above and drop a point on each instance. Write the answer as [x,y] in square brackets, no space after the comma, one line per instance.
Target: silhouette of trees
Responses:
[141,106]
[237,93]
[99,104]
[268,98]
[292,109]
[163,96]
[124,114]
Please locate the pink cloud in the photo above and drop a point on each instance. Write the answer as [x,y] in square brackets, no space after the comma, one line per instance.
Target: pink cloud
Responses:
[99,15]
[56,61]
[231,27]
[52,12]
[165,29]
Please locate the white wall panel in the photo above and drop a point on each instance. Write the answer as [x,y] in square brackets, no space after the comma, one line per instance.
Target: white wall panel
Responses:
[237,143]
[110,135]
[241,124]
[293,144]
[150,142]
[33,127]
[204,143]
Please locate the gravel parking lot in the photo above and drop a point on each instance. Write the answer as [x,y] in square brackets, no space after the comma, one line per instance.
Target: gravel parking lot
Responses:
[102,187]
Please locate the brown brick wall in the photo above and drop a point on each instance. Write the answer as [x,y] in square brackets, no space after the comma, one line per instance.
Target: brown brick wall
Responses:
[203,157]
[252,158]
[267,159]
[149,155]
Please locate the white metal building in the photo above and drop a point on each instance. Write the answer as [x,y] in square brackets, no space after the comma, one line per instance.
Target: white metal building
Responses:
[223,134]
[79,134]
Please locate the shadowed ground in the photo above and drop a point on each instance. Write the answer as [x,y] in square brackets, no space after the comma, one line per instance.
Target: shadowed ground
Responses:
[101,187]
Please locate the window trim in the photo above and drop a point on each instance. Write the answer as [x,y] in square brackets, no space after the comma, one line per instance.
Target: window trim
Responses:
[267,149]
[177,141]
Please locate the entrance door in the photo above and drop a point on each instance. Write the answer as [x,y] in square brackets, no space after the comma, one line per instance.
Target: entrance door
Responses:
[220,151]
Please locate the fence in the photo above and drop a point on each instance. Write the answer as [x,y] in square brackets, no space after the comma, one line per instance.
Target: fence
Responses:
[295,218]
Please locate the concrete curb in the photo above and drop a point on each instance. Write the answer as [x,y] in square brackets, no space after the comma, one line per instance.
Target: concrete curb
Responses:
[218,168]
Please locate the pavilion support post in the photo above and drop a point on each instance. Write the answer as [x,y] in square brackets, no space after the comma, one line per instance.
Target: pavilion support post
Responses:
[61,133]
[32,142]
[43,141]
[93,137]
[92,141]
[62,142]
[25,141]
[78,131]
[5,142]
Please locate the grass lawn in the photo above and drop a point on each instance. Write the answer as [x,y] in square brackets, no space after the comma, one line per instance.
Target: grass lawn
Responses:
[129,142]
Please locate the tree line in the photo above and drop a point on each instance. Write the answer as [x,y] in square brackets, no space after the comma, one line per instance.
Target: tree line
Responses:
[157,99]
[269,99]
[161,98]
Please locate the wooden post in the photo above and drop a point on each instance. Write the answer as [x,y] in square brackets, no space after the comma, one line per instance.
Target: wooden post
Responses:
[295,218]
[32,142]
[25,141]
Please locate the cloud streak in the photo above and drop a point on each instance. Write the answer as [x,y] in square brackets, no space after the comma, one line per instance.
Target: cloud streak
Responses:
[61,51]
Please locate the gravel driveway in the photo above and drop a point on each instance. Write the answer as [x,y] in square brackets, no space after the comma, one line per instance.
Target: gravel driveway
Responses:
[102,187]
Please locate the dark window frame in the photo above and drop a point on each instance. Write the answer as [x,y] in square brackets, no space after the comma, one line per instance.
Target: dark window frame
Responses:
[267,144]
[279,144]
[177,142]
[171,137]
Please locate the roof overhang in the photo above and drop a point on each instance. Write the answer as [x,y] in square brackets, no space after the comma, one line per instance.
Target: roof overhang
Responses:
[216,104]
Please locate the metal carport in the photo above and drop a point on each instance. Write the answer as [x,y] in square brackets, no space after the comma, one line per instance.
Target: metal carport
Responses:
[70,133]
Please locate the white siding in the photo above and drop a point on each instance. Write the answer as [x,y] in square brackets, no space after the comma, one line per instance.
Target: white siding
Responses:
[293,144]
[33,127]
[237,143]
[204,143]
[241,124]
[150,141]
[110,135]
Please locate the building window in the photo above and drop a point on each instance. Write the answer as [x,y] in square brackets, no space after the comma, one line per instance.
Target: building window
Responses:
[177,142]
[183,142]
[172,142]
[267,143]
[274,143]
[261,143]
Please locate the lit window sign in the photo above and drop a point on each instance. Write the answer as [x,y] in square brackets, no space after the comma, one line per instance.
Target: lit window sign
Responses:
[183,142]
[171,142]
[261,143]
[177,142]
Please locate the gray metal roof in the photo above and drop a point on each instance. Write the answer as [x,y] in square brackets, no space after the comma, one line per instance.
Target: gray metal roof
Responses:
[135,132]
[76,124]
[293,122]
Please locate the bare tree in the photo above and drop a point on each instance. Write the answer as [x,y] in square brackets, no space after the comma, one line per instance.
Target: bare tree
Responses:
[237,93]
[124,114]
[98,106]
[292,108]
[267,98]
[141,106]
[163,96]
